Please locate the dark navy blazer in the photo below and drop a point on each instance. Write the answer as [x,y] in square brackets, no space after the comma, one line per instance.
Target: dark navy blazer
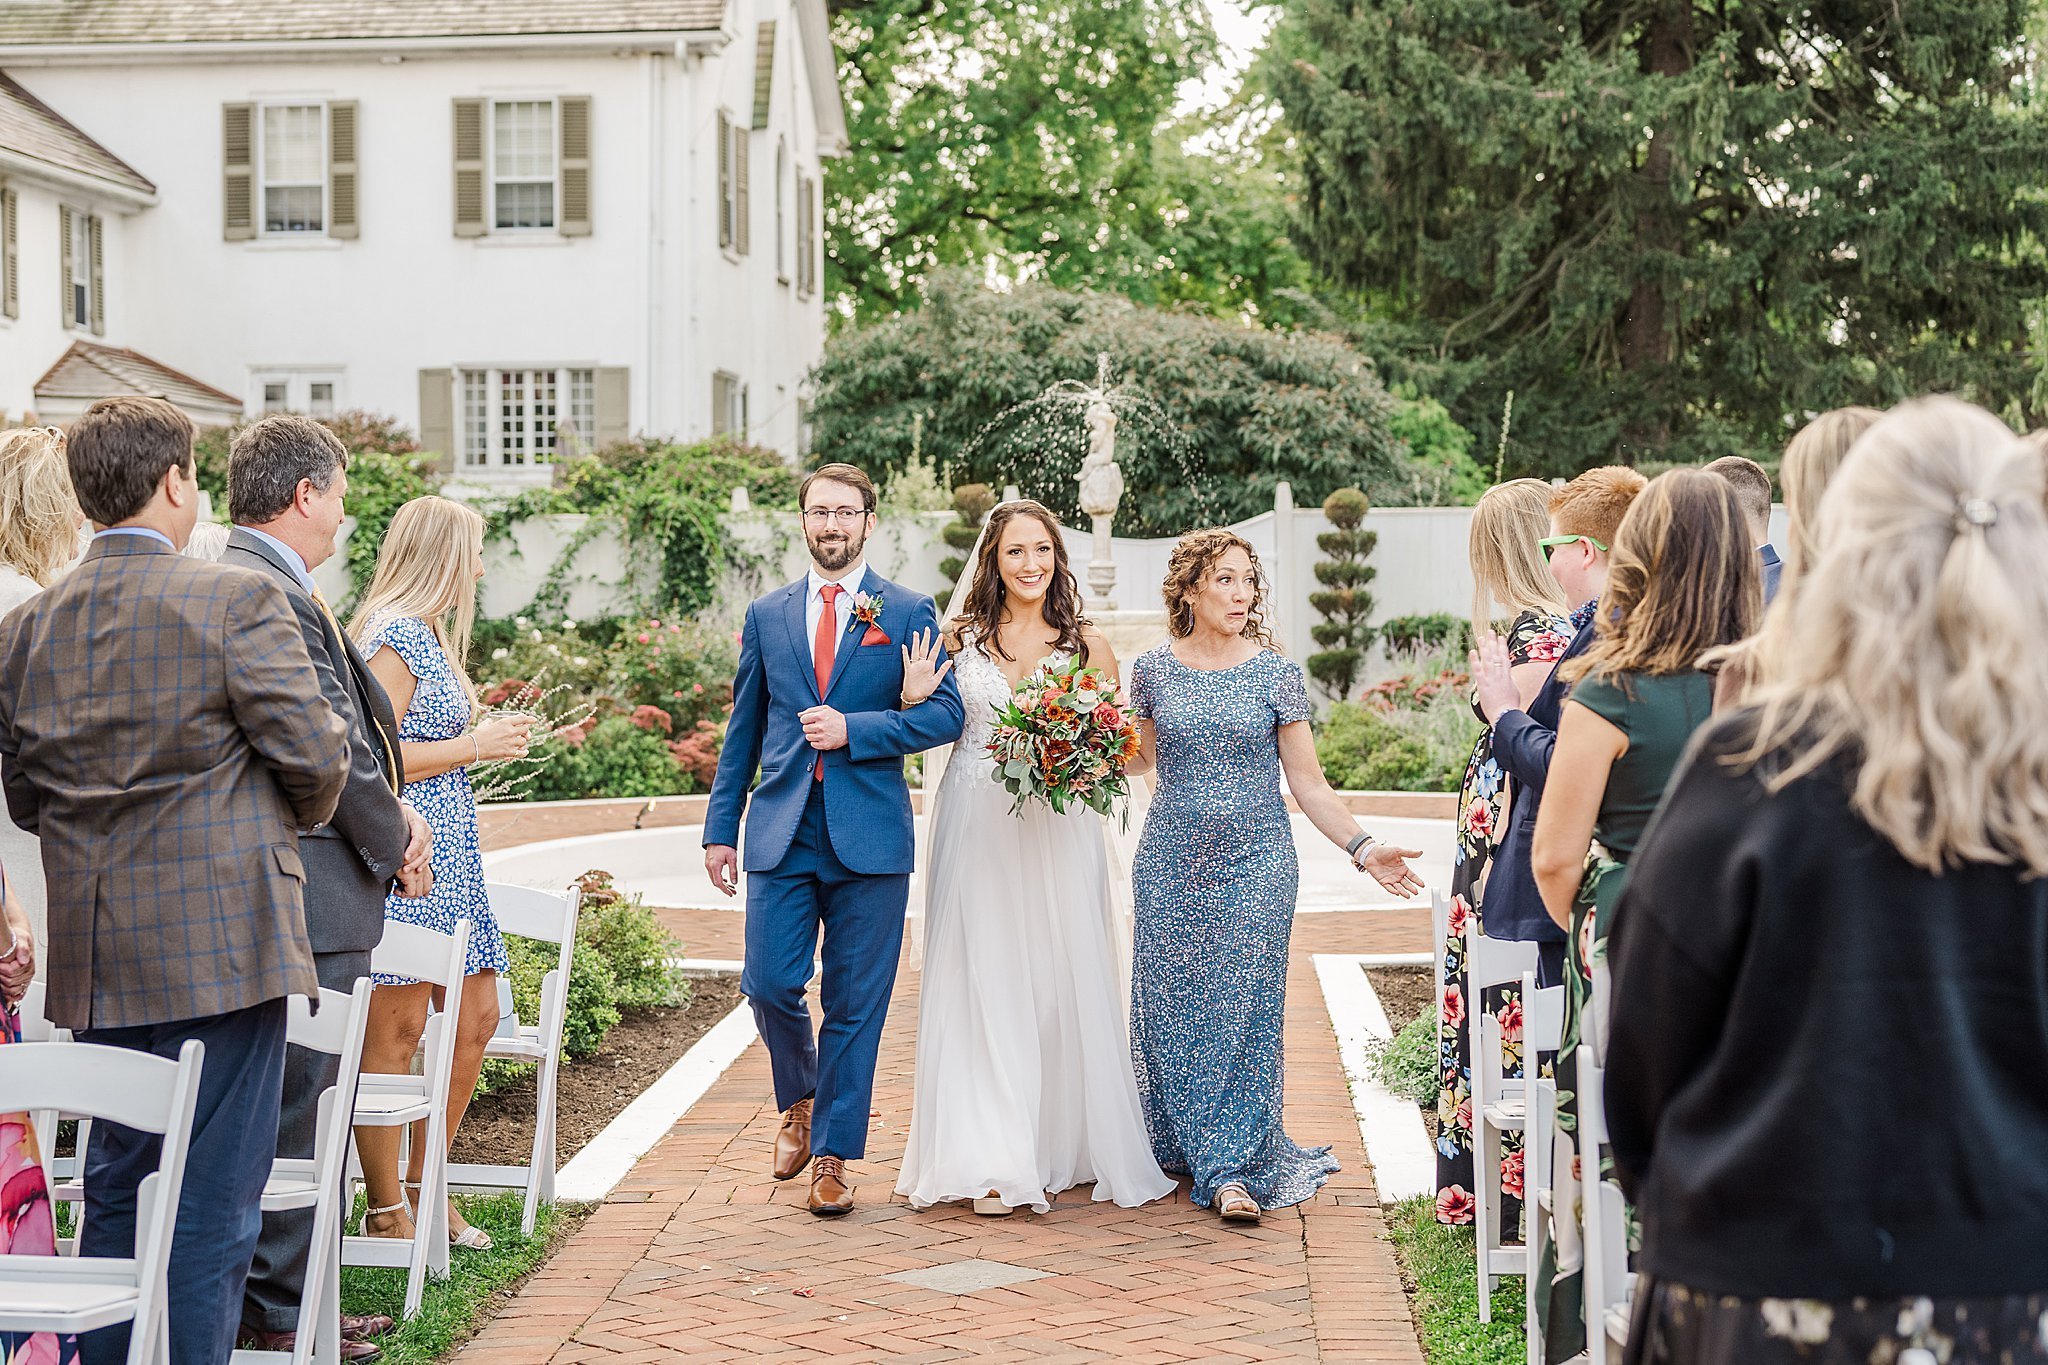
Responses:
[1522,743]
[867,802]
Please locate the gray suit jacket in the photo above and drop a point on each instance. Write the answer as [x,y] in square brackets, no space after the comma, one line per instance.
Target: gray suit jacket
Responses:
[351,859]
[162,729]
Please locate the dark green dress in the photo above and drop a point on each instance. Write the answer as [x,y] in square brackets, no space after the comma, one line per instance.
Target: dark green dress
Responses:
[1658,713]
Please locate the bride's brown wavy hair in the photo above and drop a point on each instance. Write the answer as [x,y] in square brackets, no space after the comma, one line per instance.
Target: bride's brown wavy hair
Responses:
[982,612]
[1194,558]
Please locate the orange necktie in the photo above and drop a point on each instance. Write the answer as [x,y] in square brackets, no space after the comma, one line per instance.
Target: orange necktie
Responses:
[823,646]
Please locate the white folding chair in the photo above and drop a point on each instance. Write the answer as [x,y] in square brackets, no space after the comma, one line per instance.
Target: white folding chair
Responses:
[70,1294]
[550,917]
[1607,1279]
[63,1176]
[392,1100]
[1497,1102]
[1542,1031]
[316,1182]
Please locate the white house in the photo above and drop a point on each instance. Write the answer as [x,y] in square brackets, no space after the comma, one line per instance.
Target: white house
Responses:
[523,227]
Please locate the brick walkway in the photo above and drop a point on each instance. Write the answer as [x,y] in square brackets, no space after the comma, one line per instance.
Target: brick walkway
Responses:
[701,1256]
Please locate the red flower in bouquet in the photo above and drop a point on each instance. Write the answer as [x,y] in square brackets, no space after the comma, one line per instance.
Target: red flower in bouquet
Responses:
[1065,739]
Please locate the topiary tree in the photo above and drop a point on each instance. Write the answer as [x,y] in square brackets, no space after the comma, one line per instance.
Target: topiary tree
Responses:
[1342,600]
[972,502]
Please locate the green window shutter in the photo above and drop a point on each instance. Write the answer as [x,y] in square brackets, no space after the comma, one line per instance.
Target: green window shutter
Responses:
[238,172]
[341,170]
[99,277]
[437,416]
[742,208]
[64,236]
[724,180]
[469,168]
[10,257]
[575,133]
[614,415]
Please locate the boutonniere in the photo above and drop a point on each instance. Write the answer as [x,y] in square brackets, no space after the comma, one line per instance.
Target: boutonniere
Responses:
[867,609]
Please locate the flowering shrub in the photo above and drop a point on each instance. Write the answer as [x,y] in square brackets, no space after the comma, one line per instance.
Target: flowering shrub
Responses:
[614,756]
[1410,732]
[683,667]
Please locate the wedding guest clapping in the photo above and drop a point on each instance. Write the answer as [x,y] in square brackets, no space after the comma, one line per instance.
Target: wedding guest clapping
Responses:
[287,477]
[1221,712]
[1683,580]
[1508,572]
[40,525]
[1828,1050]
[413,625]
[162,729]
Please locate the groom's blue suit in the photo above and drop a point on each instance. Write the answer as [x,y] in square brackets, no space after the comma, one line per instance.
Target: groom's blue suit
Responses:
[832,852]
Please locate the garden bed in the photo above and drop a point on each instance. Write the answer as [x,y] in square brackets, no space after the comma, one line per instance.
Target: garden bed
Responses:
[1408,994]
[594,1089]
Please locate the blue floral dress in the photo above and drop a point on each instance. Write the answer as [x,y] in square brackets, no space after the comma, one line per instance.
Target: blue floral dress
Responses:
[440,709]
[1215,878]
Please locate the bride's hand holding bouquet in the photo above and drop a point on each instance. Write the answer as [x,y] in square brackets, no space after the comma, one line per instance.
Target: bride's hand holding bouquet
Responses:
[1065,738]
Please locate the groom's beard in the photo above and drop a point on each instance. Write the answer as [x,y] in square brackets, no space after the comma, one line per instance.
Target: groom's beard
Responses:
[834,550]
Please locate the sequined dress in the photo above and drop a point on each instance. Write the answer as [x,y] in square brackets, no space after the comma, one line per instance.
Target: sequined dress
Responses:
[1215,880]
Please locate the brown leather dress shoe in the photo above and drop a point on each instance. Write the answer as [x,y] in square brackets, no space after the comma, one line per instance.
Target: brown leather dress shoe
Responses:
[366,1327]
[793,1143]
[830,1194]
[285,1341]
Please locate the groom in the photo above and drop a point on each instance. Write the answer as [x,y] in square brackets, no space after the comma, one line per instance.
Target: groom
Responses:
[817,706]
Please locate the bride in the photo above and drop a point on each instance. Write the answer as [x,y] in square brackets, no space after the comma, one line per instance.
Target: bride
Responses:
[1024,1085]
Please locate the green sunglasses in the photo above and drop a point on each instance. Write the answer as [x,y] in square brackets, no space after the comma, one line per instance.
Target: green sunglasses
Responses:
[1550,543]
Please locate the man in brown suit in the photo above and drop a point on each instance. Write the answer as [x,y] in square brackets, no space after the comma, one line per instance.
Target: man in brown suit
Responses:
[163,732]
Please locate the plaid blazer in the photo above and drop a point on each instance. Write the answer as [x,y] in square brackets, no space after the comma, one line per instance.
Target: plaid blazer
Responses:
[162,731]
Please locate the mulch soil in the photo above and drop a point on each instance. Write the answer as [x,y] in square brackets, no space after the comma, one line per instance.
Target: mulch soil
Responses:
[592,1090]
[1405,993]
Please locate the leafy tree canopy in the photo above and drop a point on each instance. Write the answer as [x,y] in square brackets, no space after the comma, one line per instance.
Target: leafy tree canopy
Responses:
[1040,141]
[1671,227]
[1221,411]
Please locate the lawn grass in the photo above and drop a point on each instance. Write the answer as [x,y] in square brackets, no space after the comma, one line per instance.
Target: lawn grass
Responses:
[454,1308]
[1439,1264]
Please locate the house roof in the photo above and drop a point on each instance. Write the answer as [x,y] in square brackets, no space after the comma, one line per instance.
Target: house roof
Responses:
[89,370]
[33,132]
[97,22]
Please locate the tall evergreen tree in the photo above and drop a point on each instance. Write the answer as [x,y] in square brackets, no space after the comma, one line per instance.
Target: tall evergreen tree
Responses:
[1674,227]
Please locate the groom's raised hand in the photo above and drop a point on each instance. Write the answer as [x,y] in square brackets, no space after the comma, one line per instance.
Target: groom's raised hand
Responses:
[824,728]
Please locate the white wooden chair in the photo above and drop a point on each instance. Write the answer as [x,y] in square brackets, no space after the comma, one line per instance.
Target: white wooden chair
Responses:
[1497,1103]
[391,1100]
[70,1294]
[550,917]
[1607,1279]
[63,1176]
[1542,1031]
[316,1182]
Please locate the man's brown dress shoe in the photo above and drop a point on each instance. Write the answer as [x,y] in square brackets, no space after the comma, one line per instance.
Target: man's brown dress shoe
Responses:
[793,1143]
[366,1327]
[830,1195]
[352,1351]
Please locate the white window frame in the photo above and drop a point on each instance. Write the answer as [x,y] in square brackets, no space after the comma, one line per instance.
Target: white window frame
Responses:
[81,266]
[298,382]
[491,180]
[728,187]
[500,426]
[259,136]
[781,216]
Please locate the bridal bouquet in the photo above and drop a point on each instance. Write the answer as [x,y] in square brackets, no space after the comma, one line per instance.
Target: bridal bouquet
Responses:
[1064,738]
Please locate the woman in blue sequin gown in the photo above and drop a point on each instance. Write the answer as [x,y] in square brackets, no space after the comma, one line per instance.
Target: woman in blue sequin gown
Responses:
[1221,713]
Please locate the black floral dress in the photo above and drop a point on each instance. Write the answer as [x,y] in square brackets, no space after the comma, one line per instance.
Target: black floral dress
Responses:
[1482,818]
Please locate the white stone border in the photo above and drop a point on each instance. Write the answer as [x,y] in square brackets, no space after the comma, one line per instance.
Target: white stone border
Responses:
[605,1160]
[1397,1145]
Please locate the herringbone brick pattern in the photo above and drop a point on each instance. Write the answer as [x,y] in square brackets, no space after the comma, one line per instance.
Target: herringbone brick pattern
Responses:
[701,1256]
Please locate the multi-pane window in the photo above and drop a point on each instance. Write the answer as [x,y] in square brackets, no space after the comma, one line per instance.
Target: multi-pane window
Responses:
[84,270]
[320,398]
[294,161]
[276,396]
[513,418]
[316,393]
[523,150]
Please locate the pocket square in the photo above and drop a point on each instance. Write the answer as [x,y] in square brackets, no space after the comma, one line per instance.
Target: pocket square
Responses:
[874,637]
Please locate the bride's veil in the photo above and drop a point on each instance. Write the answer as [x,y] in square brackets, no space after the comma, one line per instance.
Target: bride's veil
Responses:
[1121,843]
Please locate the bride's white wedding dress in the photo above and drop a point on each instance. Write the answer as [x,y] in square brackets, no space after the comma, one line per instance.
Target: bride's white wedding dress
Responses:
[1023,1083]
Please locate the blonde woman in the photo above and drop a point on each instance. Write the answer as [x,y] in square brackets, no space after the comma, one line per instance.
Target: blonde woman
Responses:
[413,626]
[1222,713]
[1829,1055]
[39,537]
[1511,583]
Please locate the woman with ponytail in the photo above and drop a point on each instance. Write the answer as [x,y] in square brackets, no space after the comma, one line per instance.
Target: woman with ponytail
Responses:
[1827,1057]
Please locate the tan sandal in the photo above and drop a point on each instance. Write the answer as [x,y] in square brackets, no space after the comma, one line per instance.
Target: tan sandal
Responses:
[400,1207]
[1236,1205]
[471,1238]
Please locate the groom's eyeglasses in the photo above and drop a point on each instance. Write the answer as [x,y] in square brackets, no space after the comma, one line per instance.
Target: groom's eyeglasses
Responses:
[1550,544]
[845,516]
